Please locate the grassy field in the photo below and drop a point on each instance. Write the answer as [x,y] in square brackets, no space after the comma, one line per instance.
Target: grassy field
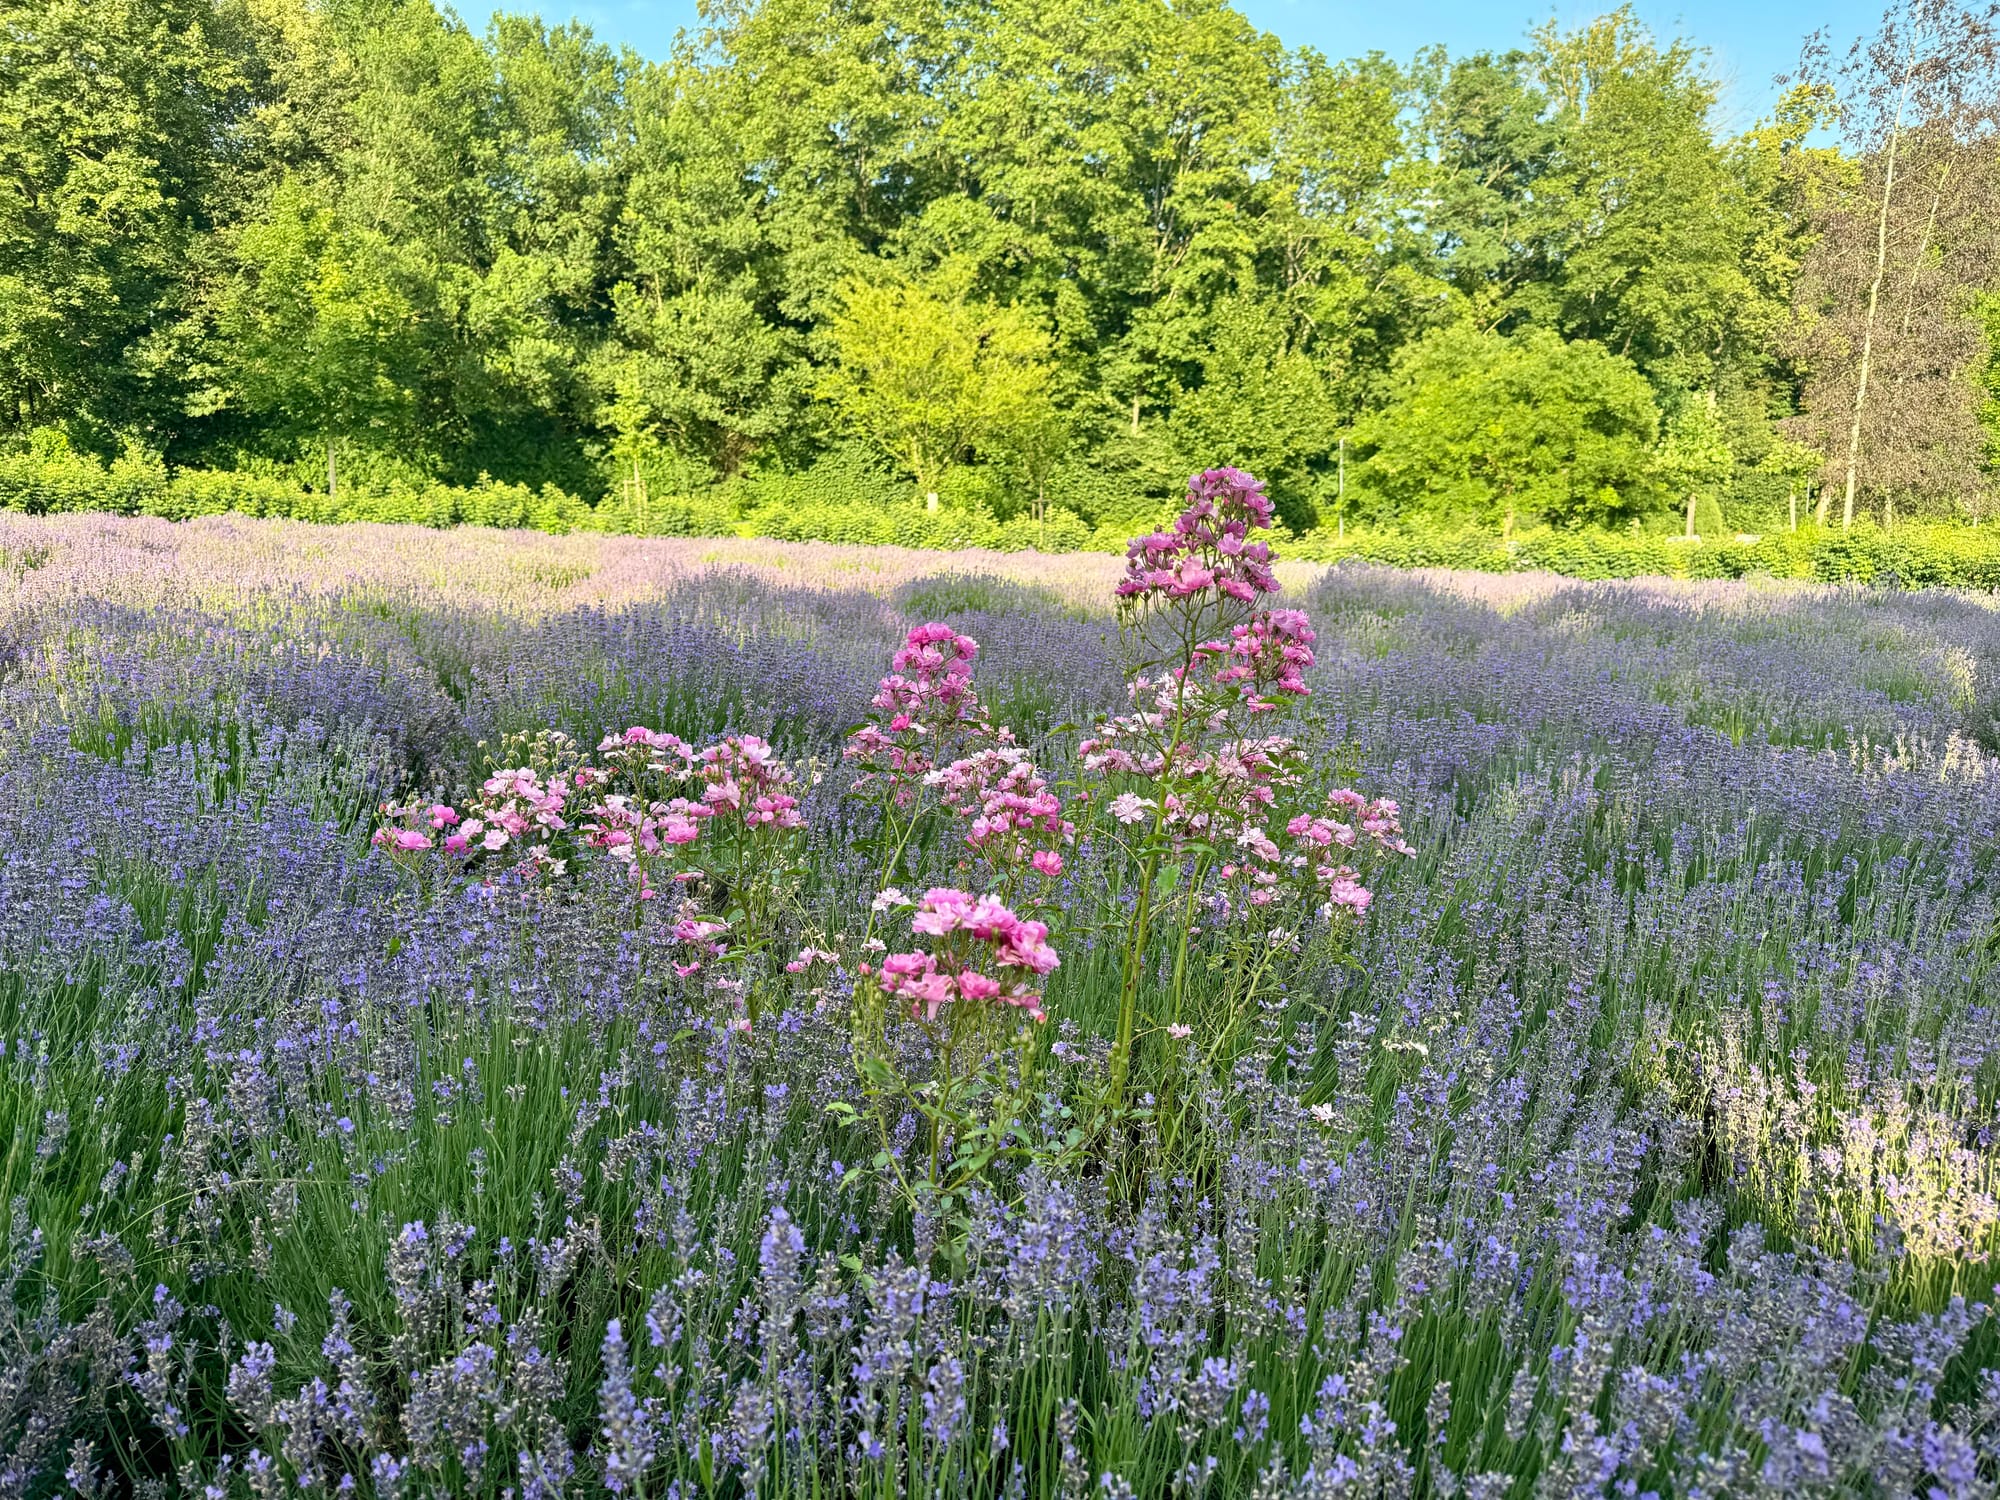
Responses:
[1630,1132]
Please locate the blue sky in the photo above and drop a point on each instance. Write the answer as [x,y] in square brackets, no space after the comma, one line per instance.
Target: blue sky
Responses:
[1749,40]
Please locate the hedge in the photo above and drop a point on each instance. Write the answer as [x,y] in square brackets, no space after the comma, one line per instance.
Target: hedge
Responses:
[1912,556]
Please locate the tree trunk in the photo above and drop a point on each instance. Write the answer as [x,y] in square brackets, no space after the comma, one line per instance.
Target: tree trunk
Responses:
[1690,517]
[1874,300]
[1340,493]
[1923,244]
[926,483]
[331,479]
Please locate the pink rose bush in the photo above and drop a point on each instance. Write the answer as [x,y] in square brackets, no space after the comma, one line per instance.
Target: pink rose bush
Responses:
[975,962]
[1208,551]
[715,825]
[630,805]
[924,709]
[516,819]
[1230,859]
[930,751]
[1012,820]
[741,776]
[1190,780]
[981,954]
[1218,858]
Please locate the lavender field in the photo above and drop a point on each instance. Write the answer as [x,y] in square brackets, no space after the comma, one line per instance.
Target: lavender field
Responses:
[1442,1035]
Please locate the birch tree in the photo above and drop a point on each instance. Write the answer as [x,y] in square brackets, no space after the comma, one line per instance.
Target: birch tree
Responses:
[1887,300]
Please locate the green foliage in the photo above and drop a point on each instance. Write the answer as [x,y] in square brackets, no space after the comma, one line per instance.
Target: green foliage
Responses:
[51,478]
[1639,215]
[847,474]
[1989,381]
[946,596]
[266,229]
[1484,429]
[322,331]
[1910,556]
[1695,462]
[46,482]
[1042,260]
[115,121]
[927,373]
[1262,401]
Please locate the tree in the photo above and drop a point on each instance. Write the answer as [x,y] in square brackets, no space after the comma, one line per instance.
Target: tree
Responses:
[1169,241]
[322,331]
[1695,461]
[1888,321]
[1035,445]
[927,373]
[702,357]
[701,373]
[117,119]
[1989,385]
[1487,140]
[1483,428]
[1794,465]
[1579,186]
[1261,404]
[1646,222]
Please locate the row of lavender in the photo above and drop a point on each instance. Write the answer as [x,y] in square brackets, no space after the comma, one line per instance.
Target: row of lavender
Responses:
[1636,1140]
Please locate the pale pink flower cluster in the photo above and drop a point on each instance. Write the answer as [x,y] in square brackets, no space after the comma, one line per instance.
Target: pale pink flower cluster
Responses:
[1208,547]
[626,828]
[921,706]
[1375,822]
[1221,789]
[639,751]
[1206,782]
[628,825]
[706,936]
[1129,807]
[1379,821]
[610,808]
[1007,806]
[1130,744]
[439,817]
[808,956]
[982,952]
[514,811]
[742,775]
[1271,653]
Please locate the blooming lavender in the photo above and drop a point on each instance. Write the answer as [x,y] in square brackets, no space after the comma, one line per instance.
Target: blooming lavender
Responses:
[1639,1140]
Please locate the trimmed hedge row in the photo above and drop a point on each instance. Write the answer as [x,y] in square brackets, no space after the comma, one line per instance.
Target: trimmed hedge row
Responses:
[1912,556]
[43,485]
[39,484]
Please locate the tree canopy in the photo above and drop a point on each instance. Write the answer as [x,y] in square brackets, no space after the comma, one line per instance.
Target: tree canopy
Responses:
[1073,249]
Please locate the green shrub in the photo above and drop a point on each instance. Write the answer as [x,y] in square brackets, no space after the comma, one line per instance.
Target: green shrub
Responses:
[1480,426]
[847,502]
[844,475]
[1061,531]
[946,595]
[1913,556]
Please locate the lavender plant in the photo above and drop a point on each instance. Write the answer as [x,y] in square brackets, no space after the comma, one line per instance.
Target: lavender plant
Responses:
[1642,1144]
